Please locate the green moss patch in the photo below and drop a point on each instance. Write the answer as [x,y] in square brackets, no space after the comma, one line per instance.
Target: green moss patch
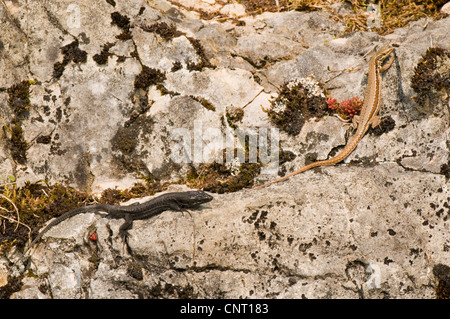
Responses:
[35,203]
[442,276]
[147,77]
[125,142]
[19,102]
[71,53]
[15,142]
[204,102]
[164,30]
[102,57]
[298,101]
[432,76]
[223,178]
[204,61]
[234,115]
[19,97]
[122,22]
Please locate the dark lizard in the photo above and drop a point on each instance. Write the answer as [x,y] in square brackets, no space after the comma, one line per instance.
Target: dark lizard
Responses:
[178,201]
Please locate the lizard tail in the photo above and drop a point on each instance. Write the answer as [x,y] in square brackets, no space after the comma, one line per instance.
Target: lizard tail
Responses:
[58,220]
[334,160]
[300,170]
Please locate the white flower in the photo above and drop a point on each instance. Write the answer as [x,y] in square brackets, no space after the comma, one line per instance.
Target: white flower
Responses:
[308,83]
[233,166]
[279,106]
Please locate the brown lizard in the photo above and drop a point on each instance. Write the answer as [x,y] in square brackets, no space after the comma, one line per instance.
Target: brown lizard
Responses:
[368,116]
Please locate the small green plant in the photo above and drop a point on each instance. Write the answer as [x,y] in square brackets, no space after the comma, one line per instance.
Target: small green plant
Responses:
[8,181]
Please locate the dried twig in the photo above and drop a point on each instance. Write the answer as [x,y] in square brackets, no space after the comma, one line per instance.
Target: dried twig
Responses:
[15,208]
[12,220]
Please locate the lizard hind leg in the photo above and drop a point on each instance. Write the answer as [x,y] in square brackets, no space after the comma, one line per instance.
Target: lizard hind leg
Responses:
[355,121]
[353,126]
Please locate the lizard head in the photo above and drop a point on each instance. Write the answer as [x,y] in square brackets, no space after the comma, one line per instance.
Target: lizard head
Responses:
[382,54]
[193,199]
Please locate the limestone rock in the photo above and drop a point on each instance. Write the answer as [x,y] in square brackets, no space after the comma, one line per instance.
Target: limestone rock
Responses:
[373,226]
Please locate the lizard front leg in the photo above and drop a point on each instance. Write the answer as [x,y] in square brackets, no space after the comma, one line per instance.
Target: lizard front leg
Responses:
[123,230]
[388,63]
[375,121]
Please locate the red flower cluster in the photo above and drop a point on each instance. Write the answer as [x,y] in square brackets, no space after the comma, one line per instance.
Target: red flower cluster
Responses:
[332,104]
[93,237]
[346,109]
